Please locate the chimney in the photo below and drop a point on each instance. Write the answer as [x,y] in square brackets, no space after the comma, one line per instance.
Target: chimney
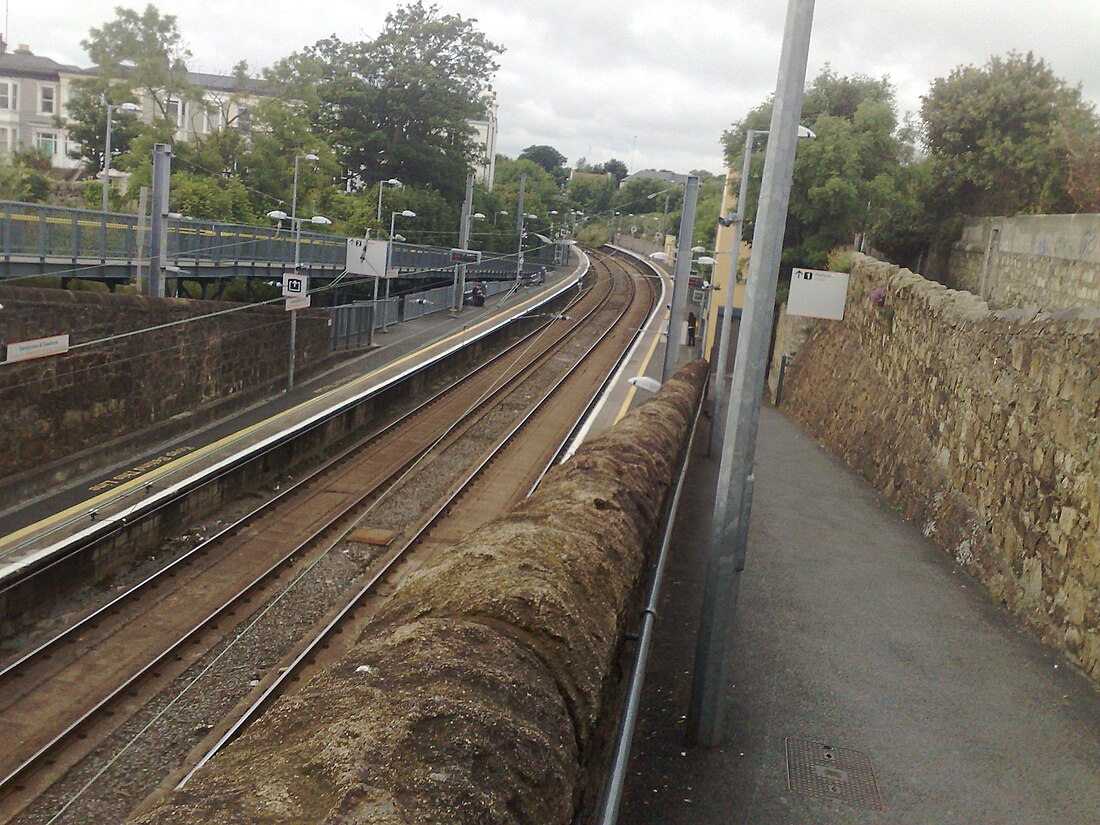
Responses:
[23,48]
[3,46]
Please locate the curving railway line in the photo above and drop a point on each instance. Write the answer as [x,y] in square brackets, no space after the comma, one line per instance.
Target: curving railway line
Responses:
[84,713]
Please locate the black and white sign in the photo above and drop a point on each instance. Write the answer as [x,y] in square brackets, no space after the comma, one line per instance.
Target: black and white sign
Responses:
[366,257]
[816,293]
[295,285]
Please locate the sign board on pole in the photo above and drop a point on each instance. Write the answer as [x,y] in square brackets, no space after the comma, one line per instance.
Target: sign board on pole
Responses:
[297,302]
[365,257]
[295,285]
[37,348]
[818,294]
[465,256]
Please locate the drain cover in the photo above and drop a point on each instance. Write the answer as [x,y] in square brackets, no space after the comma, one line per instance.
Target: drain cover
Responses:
[829,772]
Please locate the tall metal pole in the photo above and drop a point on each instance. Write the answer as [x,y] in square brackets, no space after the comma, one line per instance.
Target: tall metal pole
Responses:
[732,504]
[107,163]
[680,277]
[297,224]
[162,169]
[519,226]
[463,241]
[731,287]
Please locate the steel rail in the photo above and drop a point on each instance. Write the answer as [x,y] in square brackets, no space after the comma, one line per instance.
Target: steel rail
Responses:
[515,378]
[291,670]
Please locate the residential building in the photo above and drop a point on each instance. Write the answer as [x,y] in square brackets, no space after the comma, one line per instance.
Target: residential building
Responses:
[485,167]
[31,96]
[35,90]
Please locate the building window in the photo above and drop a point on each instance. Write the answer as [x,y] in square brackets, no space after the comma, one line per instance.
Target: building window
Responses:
[176,111]
[46,143]
[9,95]
[47,100]
[5,144]
[244,120]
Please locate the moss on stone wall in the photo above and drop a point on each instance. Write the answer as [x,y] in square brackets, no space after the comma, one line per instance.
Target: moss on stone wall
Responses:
[475,695]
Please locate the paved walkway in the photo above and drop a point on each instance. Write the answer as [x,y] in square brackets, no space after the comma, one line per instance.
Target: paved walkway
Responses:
[855,631]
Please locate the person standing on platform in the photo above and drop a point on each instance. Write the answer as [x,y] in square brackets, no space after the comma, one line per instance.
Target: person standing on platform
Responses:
[692,321]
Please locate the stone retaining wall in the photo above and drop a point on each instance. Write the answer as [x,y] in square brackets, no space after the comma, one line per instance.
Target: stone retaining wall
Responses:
[476,696]
[982,426]
[55,407]
[1050,261]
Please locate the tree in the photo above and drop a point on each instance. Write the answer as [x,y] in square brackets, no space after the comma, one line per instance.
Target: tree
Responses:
[617,169]
[146,50]
[592,195]
[399,105]
[547,157]
[135,51]
[999,137]
[838,174]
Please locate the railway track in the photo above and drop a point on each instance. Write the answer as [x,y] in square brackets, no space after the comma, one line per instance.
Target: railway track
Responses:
[61,700]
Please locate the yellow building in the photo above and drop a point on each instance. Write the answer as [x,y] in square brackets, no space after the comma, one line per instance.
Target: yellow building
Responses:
[723,255]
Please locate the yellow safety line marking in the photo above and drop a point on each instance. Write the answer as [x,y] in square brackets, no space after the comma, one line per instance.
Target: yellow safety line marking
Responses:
[167,469]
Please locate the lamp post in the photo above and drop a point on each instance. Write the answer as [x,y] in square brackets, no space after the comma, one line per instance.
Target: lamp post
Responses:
[733,498]
[738,221]
[296,223]
[404,213]
[498,214]
[523,217]
[382,184]
[111,108]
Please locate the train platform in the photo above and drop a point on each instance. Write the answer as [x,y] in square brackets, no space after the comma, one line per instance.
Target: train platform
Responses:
[855,632]
[36,529]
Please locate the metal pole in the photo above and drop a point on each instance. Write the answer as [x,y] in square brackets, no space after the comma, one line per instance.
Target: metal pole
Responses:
[162,168]
[297,260]
[731,287]
[139,242]
[463,241]
[706,713]
[294,313]
[519,226]
[381,186]
[680,278]
[107,163]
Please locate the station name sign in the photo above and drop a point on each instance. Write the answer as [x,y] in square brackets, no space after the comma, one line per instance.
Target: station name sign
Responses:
[465,256]
[37,348]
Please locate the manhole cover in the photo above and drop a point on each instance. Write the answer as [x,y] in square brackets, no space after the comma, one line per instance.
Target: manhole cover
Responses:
[829,772]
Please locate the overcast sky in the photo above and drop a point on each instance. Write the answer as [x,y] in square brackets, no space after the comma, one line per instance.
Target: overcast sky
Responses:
[651,82]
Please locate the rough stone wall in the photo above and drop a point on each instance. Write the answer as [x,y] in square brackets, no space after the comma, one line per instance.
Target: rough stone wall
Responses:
[54,407]
[983,426]
[1050,261]
[476,695]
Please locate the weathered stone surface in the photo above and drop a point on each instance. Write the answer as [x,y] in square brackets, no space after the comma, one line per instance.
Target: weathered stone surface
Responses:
[474,696]
[982,426]
[54,407]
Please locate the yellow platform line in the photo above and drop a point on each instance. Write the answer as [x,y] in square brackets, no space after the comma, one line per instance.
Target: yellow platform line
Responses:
[167,469]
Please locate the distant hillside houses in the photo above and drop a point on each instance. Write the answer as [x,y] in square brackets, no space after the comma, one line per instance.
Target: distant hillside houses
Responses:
[34,91]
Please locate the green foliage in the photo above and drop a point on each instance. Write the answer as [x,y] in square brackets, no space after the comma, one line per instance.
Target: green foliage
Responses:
[86,121]
[547,157]
[146,50]
[840,173]
[841,259]
[22,182]
[409,93]
[591,195]
[998,137]
[210,198]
